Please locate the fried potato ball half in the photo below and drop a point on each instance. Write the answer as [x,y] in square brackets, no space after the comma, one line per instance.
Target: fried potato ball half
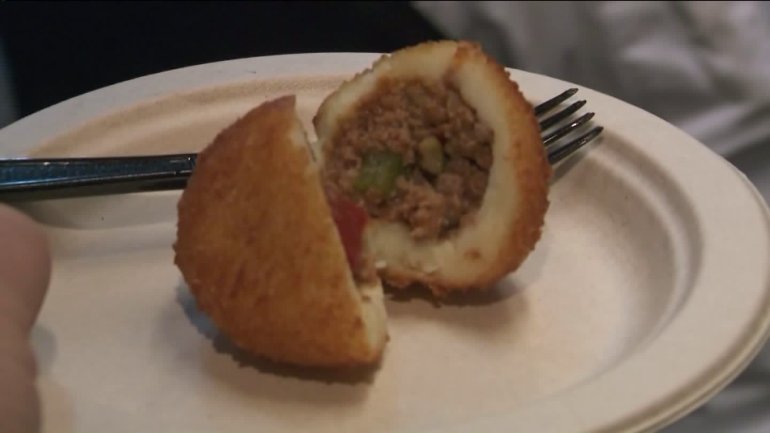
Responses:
[257,246]
[509,220]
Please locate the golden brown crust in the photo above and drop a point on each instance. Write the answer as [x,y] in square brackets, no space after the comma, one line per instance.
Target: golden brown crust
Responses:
[259,251]
[527,161]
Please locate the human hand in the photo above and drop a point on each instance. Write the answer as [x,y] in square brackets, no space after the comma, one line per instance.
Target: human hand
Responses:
[25,267]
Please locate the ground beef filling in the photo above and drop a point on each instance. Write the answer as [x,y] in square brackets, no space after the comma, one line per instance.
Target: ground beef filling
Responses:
[413,152]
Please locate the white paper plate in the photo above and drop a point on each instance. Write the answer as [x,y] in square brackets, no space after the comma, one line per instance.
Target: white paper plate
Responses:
[647,294]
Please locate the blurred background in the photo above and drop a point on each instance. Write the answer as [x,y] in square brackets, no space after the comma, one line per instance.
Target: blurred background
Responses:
[702,66]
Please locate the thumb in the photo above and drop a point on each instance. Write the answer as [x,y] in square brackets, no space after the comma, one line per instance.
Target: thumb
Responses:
[25,268]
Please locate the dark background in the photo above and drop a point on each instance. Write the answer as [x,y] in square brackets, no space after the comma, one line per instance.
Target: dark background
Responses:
[57,50]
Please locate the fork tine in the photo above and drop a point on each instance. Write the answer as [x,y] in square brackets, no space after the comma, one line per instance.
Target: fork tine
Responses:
[562,152]
[566,129]
[561,115]
[556,154]
[555,101]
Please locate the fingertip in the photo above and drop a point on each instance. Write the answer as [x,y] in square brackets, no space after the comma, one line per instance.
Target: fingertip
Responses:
[25,264]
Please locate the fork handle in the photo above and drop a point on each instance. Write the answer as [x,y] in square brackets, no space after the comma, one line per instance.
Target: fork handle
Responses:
[34,179]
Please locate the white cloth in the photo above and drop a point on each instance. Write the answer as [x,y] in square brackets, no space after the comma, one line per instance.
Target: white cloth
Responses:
[703,66]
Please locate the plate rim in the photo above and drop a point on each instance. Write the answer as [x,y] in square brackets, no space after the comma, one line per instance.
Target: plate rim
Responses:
[631,414]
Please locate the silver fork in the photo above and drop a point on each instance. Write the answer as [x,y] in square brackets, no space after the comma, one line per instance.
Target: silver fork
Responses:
[36,179]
